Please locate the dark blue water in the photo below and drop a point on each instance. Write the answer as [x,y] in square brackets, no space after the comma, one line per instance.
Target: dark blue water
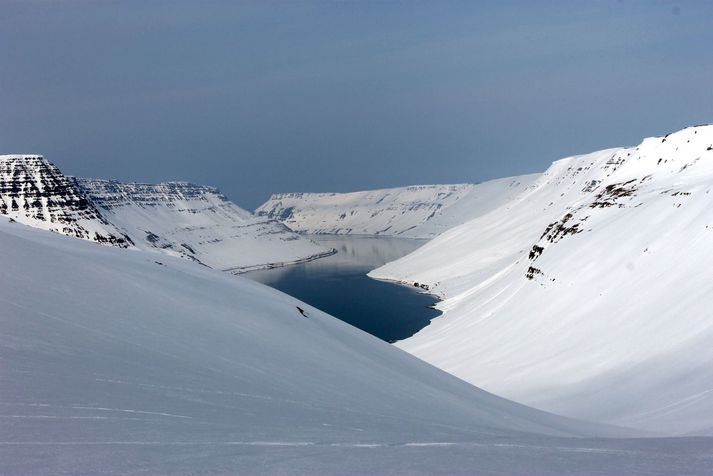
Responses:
[338,285]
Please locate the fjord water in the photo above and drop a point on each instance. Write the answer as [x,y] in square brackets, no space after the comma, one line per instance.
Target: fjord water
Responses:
[338,285]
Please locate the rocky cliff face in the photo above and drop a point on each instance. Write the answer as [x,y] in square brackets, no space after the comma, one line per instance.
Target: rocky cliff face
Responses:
[197,222]
[34,192]
[111,194]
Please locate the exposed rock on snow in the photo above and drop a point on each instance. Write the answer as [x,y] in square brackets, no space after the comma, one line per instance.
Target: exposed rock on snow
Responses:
[590,292]
[34,192]
[420,211]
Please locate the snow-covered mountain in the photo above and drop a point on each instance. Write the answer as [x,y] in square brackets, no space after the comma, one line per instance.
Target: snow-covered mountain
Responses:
[197,222]
[182,219]
[115,363]
[591,292]
[420,211]
[33,191]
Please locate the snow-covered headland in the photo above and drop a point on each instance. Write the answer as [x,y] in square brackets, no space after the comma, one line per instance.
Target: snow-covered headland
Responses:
[198,223]
[590,292]
[419,211]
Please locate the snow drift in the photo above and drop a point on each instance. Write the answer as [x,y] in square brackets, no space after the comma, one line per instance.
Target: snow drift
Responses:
[590,293]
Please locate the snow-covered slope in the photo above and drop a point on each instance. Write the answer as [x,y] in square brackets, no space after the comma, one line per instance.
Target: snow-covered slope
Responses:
[115,363]
[421,211]
[197,222]
[590,293]
[33,191]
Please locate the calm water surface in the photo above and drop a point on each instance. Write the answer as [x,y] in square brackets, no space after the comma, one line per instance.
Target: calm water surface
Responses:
[338,285]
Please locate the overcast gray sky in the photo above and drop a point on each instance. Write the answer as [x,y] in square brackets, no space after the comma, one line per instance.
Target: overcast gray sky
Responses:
[261,97]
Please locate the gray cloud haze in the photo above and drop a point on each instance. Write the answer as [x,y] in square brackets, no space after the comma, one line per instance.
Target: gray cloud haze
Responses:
[262,97]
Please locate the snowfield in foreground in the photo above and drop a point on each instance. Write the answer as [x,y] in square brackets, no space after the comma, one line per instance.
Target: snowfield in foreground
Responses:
[116,362]
[419,211]
[590,294]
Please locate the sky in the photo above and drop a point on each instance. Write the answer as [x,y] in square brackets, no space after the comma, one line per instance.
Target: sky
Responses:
[264,97]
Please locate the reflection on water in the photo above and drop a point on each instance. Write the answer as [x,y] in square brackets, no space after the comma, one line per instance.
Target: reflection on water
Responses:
[338,285]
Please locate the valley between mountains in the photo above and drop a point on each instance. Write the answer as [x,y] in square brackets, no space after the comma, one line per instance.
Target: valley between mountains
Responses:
[576,334]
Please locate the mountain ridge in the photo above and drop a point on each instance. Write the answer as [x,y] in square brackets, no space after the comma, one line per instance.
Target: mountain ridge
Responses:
[594,278]
[195,222]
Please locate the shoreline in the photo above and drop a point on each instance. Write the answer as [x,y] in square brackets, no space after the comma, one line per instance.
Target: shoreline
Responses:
[411,284]
[281,264]
[364,235]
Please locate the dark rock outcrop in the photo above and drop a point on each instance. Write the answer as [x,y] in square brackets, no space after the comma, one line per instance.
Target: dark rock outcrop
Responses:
[34,192]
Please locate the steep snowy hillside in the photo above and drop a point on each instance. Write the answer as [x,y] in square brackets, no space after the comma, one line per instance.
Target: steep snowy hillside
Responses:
[198,223]
[421,211]
[33,191]
[590,293]
[115,363]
